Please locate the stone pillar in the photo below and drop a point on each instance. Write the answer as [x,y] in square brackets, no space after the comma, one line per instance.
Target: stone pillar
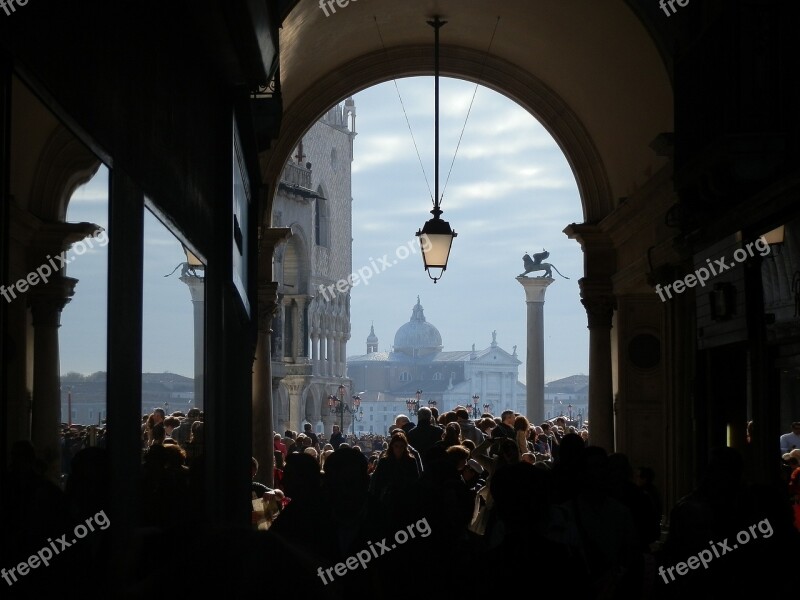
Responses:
[296,314]
[513,379]
[340,359]
[328,421]
[263,448]
[197,289]
[597,297]
[600,310]
[46,302]
[315,353]
[302,327]
[329,355]
[296,416]
[535,288]
[46,299]
[262,400]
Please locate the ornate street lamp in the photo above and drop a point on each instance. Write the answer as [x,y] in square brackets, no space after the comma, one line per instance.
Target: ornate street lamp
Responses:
[475,399]
[431,402]
[436,236]
[358,413]
[487,408]
[413,404]
[339,407]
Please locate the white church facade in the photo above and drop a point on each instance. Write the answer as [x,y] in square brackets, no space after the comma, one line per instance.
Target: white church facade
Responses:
[418,362]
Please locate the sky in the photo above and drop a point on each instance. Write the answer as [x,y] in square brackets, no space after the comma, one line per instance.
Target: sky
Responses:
[511,191]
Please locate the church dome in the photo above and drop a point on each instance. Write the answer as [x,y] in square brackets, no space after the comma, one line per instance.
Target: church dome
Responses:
[417,337]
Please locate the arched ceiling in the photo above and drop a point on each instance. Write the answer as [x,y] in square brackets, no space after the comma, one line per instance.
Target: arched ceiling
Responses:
[594,56]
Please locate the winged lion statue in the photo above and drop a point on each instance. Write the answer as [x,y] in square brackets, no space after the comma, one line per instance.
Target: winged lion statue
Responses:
[536,264]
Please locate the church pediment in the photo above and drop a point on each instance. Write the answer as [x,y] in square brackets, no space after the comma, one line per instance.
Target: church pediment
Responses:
[495,356]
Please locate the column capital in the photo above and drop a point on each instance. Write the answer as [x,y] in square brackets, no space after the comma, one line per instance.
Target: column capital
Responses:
[196,287]
[268,304]
[535,287]
[46,301]
[272,237]
[599,302]
[53,238]
[294,385]
[589,235]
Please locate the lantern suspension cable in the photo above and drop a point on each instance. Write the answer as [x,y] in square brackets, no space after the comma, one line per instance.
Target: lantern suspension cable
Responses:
[436,236]
[405,114]
[436,24]
[471,102]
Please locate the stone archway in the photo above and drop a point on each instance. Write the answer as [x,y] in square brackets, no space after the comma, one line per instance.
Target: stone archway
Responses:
[522,87]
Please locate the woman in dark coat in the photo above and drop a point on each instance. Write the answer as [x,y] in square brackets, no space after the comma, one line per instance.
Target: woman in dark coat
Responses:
[396,471]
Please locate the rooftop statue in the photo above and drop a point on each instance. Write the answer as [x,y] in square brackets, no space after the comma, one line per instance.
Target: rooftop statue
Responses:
[186,270]
[536,264]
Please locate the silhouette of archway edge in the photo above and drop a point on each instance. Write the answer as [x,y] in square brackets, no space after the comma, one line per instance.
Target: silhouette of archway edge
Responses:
[463,63]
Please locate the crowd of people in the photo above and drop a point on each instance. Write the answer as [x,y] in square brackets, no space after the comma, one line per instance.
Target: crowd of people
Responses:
[511,497]
[508,503]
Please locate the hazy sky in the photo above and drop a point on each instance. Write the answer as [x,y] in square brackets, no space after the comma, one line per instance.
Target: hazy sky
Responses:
[511,191]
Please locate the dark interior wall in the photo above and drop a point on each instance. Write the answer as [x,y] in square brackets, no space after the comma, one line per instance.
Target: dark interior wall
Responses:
[735,101]
[144,83]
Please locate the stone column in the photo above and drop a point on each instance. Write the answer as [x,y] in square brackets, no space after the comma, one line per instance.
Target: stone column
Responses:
[47,296]
[197,289]
[46,303]
[296,416]
[598,299]
[330,371]
[315,352]
[263,448]
[535,288]
[514,392]
[328,421]
[296,328]
[302,327]
[600,310]
[340,359]
[262,400]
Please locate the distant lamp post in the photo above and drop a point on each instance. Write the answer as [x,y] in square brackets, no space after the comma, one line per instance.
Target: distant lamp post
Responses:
[432,403]
[569,411]
[475,399]
[412,404]
[358,413]
[339,407]
[487,408]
